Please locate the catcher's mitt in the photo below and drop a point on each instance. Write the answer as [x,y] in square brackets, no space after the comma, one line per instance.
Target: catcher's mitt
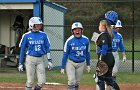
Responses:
[101,68]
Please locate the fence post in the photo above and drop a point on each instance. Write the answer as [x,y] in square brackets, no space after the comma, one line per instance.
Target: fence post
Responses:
[133,35]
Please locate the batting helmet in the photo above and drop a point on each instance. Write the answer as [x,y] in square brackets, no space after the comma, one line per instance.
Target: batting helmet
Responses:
[76,25]
[33,21]
[118,24]
[111,17]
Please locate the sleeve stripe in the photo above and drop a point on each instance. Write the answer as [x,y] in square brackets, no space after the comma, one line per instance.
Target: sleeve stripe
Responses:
[65,46]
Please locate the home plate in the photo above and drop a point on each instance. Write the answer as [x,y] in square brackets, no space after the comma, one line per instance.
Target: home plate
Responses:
[48,83]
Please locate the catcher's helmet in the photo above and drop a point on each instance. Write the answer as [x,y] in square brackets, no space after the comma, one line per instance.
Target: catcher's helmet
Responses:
[33,21]
[111,17]
[118,24]
[76,25]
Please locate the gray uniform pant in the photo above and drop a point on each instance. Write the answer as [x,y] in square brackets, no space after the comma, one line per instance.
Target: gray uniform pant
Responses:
[117,63]
[35,65]
[74,72]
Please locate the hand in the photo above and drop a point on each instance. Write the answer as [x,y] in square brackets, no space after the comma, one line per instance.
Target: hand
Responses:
[88,69]
[124,58]
[62,71]
[50,65]
[20,68]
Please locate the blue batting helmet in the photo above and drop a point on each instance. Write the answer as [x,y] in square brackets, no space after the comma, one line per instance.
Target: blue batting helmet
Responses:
[111,17]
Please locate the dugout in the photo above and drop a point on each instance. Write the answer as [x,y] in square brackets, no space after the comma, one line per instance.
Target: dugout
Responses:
[51,13]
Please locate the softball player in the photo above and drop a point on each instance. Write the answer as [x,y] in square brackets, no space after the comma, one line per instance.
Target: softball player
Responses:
[77,51]
[37,45]
[104,47]
[117,43]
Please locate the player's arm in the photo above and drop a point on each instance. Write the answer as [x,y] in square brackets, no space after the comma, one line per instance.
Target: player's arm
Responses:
[47,45]
[88,57]
[121,45]
[65,55]
[104,42]
[122,49]
[22,45]
[88,54]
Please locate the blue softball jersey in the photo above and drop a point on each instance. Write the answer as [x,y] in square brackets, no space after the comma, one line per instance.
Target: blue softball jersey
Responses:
[35,44]
[117,42]
[77,50]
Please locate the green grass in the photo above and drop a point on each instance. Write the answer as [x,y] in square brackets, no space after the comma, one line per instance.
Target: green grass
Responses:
[55,76]
[12,77]
[128,77]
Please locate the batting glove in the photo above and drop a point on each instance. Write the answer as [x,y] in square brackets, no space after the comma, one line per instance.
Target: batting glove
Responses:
[62,71]
[124,58]
[20,68]
[50,65]
[88,69]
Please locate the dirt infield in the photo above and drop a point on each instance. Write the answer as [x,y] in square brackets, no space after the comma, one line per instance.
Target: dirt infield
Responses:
[20,86]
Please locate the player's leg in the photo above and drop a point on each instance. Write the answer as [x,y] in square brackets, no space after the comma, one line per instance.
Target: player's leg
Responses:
[117,63]
[115,69]
[108,76]
[30,71]
[41,74]
[109,83]
[100,84]
[70,70]
[78,73]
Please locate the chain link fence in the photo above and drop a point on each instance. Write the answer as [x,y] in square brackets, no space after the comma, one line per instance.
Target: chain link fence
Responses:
[89,13]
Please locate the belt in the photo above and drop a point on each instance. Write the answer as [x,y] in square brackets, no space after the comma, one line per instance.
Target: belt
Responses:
[114,51]
[77,61]
[35,56]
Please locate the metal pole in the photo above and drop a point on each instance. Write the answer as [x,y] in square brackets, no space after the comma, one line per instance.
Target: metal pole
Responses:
[133,24]
[41,6]
[41,11]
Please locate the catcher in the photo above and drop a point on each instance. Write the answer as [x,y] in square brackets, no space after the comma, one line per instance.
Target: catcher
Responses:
[104,50]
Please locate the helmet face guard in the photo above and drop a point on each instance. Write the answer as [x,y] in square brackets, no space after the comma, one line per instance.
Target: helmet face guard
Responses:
[111,17]
[33,21]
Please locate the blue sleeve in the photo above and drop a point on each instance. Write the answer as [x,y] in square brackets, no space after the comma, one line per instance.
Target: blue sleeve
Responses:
[22,45]
[98,50]
[88,55]
[65,55]
[121,46]
[47,43]
[104,49]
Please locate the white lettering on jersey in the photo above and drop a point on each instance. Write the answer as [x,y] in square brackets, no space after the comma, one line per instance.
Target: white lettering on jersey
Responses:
[36,42]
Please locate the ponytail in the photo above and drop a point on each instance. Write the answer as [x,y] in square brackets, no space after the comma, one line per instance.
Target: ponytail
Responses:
[108,27]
